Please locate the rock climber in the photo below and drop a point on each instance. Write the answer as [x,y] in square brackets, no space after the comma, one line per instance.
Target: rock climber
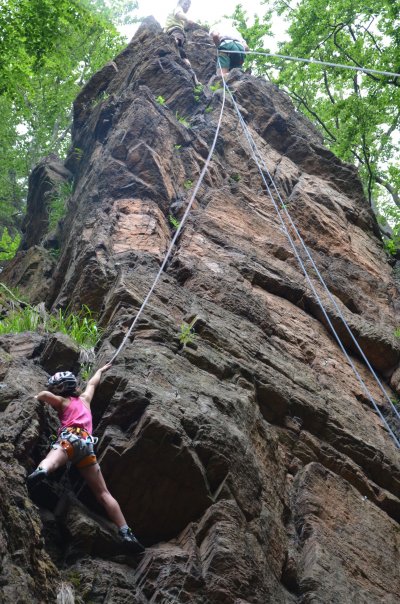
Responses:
[75,444]
[175,27]
[226,37]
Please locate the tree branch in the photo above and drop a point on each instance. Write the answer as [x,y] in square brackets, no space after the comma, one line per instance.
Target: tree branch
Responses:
[389,188]
[315,115]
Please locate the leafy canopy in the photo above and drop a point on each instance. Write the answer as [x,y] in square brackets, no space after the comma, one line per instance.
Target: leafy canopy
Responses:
[48,49]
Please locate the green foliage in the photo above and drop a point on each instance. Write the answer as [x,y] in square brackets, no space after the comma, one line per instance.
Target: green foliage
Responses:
[197,92]
[208,109]
[187,332]
[48,50]
[187,335]
[78,152]
[188,184]
[183,120]
[357,114]
[160,100]
[86,371]
[177,147]
[103,96]
[235,177]
[174,221]
[8,245]
[81,326]
[57,205]
[256,38]
[215,87]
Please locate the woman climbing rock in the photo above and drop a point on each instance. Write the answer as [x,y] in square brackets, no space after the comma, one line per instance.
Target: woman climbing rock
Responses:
[75,444]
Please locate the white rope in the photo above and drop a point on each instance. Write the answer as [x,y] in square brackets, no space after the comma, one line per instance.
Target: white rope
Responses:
[314,61]
[179,229]
[253,149]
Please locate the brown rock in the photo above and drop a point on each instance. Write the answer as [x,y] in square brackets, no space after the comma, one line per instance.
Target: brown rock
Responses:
[248,458]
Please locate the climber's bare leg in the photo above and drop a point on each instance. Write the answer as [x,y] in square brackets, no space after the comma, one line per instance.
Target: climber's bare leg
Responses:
[55,458]
[96,483]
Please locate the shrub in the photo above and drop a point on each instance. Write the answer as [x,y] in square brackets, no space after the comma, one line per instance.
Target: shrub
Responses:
[8,245]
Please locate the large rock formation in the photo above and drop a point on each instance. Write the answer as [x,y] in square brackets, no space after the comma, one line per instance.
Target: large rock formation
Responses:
[250,460]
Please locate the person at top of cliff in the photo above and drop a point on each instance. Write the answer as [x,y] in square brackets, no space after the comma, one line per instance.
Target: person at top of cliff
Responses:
[75,444]
[175,27]
[226,37]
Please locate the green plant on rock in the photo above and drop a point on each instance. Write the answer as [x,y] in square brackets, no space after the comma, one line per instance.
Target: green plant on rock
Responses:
[177,147]
[24,319]
[182,120]
[188,184]
[8,245]
[235,177]
[58,203]
[197,91]
[103,96]
[80,326]
[187,333]
[78,152]
[160,100]
[215,87]
[55,253]
[174,221]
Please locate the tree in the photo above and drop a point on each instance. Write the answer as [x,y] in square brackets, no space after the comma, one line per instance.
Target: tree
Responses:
[48,49]
[358,114]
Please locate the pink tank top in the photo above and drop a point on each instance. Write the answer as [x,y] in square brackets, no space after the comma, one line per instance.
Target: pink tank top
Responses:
[76,414]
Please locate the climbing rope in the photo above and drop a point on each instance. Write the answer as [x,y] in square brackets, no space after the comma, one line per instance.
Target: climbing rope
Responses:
[174,239]
[302,60]
[264,170]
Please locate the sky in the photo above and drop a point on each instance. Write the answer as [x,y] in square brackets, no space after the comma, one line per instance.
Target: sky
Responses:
[210,11]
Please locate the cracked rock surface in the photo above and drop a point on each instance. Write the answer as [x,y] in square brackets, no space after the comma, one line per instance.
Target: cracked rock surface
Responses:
[249,460]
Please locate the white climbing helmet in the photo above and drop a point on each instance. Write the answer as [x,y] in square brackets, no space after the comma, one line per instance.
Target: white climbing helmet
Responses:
[62,382]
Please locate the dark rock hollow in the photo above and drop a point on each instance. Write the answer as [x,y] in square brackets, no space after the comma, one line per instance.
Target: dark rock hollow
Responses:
[249,461]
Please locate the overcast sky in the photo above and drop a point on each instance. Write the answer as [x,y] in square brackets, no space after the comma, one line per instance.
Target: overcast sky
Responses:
[210,11]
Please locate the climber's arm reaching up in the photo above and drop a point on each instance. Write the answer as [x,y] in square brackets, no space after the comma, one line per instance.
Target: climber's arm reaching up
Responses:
[92,384]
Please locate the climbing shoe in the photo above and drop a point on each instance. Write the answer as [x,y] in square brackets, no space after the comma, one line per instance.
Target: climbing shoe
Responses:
[129,539]
[36,477]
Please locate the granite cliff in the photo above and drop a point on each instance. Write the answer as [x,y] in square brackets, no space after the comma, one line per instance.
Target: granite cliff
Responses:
[249,460]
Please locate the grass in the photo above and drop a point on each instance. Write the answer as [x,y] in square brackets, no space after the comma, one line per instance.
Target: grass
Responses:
[103,96]
[81,327]
[182,120]
[57,206]
[174,221]
[215,87]
[187,333]
[197,91]
[8,245]
[160,100]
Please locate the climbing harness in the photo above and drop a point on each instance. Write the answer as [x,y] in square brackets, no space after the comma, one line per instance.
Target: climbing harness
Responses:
[264,171]
[78,445]
[177,233]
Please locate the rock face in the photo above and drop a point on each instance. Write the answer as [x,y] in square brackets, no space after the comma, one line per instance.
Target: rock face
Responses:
[249,460]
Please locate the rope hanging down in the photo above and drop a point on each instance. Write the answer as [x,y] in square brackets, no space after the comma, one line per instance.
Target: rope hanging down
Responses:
[179,229]
[313,61]
[254,150]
